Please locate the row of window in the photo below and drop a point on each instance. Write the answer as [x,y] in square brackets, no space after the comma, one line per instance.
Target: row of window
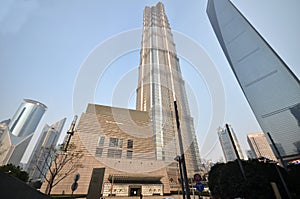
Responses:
[113,153]
[115,142]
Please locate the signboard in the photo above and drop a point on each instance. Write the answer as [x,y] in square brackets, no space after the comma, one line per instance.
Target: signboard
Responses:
[76,177]
[199,186]
[74,186]
[294,162]
[197,177]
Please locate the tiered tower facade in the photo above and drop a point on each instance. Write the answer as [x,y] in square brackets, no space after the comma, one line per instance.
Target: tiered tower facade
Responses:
[160,84]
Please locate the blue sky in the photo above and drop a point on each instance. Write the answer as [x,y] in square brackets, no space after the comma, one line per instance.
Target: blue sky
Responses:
[43,45]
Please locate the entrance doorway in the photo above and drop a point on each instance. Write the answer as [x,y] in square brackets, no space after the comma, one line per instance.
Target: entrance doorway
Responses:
[135,190]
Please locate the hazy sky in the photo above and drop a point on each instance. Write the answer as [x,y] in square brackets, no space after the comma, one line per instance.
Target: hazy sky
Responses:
[44,44]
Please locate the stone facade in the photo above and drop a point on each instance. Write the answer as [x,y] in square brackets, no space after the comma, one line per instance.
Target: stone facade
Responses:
[100,123]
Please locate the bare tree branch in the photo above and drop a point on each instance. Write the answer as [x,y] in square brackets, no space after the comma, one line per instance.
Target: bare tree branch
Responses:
[60,164]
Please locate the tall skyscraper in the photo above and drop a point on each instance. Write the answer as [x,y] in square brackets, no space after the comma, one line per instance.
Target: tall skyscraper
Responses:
[272,90]
[227,146]
[27,118]
[129,152]
[20,130]
[160,84]
[260,146]
[39,160]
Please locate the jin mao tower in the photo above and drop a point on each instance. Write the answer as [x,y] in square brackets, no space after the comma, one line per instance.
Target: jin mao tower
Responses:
[160,84]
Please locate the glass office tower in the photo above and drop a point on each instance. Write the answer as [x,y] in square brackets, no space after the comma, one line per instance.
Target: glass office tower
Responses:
[27,118]
[227,146]
[20,131]
[160,84]
[39,159]
[272,90]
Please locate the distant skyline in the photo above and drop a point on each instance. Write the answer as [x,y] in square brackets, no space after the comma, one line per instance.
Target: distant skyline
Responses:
[43,45]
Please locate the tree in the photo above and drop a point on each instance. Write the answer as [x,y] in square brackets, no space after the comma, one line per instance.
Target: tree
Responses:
[1,149]
[15,171]
[293,180]
[59,164]
[226,180]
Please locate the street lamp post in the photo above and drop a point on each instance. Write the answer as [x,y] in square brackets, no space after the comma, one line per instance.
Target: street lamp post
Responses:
[70,133]
[182,159]
[266,160]
[282,180]
[236,152]
[178,159]
[277,151]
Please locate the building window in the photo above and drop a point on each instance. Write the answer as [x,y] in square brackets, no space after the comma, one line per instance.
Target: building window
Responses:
[115,142]
[99,152]
[101,141]
[129,154]
[114,153]
[130,144]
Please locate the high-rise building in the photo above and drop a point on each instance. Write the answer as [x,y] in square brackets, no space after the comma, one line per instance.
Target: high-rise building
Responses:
[160,84]
[260,146]
[13,148]
[27,118]
[271,88]
[250,154]
[227,145]
[129,152]
[39,160]
[20,130]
